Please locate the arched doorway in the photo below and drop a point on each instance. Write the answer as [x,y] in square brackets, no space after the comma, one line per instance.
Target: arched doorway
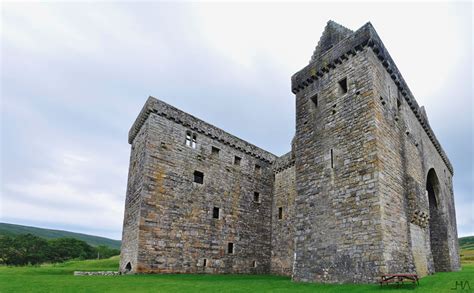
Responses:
[128,268]
[438,228]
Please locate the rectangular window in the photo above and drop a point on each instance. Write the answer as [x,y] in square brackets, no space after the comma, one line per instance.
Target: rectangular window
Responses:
[230,248]
[258,169]
[215,213]
[237,161]
[343,86]
[280,213]
[256,197]
[198,177]
[314,99]
[254,264]
[188,139]
[194,142]
[191,139]
[204,262]
[215,152]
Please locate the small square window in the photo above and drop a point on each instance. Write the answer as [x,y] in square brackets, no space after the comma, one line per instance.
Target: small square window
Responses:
[343,86]
[237,160]
[256,197]
[280,213]
[198,177]
[215,213]
[230,248]
[215,152]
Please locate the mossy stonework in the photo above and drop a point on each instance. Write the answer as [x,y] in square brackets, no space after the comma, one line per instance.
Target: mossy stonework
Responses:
[365,190]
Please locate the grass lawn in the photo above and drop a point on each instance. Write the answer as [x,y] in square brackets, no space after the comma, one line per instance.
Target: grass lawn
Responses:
[59,278]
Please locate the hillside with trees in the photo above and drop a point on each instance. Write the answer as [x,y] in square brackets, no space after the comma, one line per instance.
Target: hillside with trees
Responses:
[12,229]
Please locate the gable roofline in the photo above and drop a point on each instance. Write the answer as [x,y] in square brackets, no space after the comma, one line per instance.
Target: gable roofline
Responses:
[158,107]
[366,36]
[333,33]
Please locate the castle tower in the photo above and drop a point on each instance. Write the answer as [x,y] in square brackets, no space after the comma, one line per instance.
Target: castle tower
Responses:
[373,185]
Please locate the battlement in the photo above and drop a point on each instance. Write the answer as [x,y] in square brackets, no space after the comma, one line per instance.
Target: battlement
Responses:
[153,105]
[337,53]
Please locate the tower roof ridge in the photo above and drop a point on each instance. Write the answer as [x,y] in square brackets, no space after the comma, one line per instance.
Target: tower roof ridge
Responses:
[333,33]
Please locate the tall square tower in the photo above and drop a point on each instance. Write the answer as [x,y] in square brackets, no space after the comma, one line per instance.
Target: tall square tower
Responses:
[368,198]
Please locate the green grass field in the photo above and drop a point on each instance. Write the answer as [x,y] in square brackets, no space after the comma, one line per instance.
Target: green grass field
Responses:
[59,278]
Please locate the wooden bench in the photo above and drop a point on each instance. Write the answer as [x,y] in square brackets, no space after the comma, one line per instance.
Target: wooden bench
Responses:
[398,279]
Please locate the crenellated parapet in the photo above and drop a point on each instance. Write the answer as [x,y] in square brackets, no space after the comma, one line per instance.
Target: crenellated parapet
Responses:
[365,37]
[163,109]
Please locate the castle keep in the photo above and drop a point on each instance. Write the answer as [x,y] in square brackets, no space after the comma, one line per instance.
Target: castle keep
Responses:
[365,190]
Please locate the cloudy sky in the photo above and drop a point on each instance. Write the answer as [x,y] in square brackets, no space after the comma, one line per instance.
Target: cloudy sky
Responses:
[75,75]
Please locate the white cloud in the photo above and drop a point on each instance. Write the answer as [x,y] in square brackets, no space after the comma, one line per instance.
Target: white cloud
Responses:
[465,218]
[74,75]
[72,193]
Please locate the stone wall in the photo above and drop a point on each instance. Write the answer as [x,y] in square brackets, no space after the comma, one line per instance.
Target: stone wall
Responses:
[178,233]
[283,229]
[131,223]
[407,154]
[338,218]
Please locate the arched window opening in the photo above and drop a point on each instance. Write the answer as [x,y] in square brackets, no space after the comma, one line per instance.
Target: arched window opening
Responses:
[438,227]
[128,267]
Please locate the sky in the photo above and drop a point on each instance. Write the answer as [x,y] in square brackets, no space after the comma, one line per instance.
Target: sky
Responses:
[74,76]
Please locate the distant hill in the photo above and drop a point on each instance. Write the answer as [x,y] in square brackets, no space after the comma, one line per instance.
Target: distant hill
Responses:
[466,242]
[12,229]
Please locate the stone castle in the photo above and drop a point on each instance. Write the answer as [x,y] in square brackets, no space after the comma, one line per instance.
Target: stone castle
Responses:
[365,190]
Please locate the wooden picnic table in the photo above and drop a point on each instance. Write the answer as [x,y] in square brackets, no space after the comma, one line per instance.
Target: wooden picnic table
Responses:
[398,279]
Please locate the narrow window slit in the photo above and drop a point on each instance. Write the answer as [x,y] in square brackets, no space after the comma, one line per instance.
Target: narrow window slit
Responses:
[332,158]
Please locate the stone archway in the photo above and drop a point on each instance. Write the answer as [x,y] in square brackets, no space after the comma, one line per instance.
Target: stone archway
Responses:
[437,226]
[128,268]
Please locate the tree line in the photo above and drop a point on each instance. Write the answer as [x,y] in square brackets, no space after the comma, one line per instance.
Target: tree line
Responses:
[29,249]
